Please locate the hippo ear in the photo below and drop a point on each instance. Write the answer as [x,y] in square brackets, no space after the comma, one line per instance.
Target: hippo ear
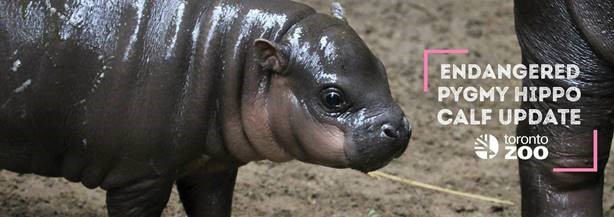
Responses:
[270,56]
[337,11]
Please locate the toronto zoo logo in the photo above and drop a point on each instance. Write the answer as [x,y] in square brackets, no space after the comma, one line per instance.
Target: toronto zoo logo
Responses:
[517,147]
[486,146]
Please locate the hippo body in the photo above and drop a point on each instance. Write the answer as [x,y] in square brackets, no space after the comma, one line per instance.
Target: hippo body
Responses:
[577,32]
[141,97]
[134,96]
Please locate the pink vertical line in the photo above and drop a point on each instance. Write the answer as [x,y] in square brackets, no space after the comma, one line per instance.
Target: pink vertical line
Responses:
[425,71]
[595,144]
[425,62]
[583,170]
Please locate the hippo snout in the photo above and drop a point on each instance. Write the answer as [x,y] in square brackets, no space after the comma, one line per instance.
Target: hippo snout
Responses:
[407,129]
[375,145]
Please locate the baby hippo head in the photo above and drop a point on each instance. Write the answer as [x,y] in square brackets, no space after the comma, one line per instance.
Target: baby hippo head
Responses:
[329,100]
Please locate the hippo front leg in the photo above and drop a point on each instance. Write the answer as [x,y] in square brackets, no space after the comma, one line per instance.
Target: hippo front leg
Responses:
[206,193]
[549,194]
[144,198]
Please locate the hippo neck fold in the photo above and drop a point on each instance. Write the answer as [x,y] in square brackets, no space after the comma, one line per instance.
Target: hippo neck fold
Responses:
[242,86]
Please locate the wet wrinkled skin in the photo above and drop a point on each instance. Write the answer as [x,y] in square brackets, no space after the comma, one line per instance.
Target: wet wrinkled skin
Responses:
[134,96]
[578,32]
[335,57]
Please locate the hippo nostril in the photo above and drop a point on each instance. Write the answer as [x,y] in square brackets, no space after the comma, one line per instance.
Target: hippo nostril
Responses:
[389,131]
[406,124]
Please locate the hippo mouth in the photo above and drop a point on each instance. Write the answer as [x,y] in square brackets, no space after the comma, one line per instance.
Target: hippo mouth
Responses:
[364,148]
[374,151]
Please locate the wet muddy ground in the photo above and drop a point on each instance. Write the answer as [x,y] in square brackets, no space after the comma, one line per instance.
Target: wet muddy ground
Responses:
[397,31]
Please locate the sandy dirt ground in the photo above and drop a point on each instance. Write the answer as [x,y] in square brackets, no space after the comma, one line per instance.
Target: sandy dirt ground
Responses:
[397,31]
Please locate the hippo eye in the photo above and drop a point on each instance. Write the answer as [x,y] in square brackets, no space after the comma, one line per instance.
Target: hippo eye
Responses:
[332,99]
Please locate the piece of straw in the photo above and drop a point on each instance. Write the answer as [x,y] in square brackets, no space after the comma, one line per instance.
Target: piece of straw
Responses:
[437,188]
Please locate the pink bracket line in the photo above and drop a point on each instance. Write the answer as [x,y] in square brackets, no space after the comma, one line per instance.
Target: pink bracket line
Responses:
[425,60]
[583,170]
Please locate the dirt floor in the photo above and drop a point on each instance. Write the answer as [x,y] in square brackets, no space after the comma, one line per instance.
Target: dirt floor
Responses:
[397,31]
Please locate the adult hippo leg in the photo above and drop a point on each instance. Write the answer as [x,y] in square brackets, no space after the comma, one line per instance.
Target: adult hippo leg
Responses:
[545,193]
[549,194]
[207,193]
[144,198]
[553,32]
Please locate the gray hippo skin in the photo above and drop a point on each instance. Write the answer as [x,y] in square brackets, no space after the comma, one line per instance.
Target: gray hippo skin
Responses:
[135,96]
[579,32]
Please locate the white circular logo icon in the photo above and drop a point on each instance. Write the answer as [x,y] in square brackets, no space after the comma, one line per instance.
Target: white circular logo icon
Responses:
[486,146]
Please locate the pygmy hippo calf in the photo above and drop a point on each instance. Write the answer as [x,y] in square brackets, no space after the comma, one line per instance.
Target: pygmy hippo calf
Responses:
[136,96]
